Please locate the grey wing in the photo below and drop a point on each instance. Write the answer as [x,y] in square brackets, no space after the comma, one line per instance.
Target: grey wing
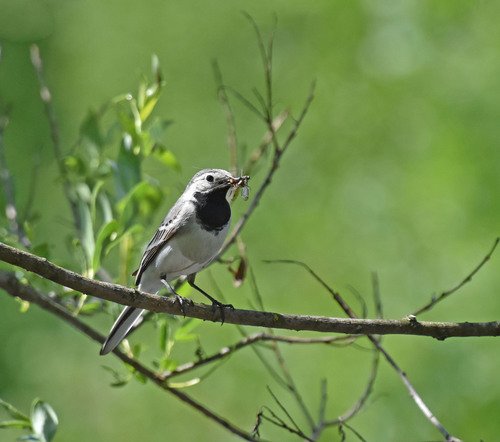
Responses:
[174,220]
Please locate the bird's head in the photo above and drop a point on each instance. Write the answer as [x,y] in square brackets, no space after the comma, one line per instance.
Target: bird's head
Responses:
[209,180]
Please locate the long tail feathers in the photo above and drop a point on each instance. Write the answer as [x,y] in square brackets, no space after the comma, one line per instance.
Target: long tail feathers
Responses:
[128,317]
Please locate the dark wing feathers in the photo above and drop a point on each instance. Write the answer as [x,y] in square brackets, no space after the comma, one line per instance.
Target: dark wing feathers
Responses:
[167,229]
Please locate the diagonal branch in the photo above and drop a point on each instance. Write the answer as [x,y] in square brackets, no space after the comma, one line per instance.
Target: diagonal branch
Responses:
[278,153]
[11,209]
[232,140]
[411,389]
[454,289]
[155,303]
[250,340]
[11,284]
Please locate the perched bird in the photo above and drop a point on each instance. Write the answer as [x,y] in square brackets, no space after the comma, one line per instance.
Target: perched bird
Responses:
[187,241]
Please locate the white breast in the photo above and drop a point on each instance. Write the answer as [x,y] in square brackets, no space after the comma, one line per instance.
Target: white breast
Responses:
[189,251]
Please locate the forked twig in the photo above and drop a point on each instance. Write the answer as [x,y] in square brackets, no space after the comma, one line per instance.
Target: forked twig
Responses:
[270,173]
[11,208]
[413,393]
[468,278]
[46,96]
[232,140]
[11,285]
[251,340]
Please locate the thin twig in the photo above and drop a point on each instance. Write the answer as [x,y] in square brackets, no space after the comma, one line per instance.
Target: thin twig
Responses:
[284,410]
[262,148]
[355,432]
[377,298]
[11,285]
[46,96]
[250,340]
[276,420]
[256,350]
[349,414]
[413,393]
[11,210]
[232,140]
[268,178]
[290,382]
[457,287]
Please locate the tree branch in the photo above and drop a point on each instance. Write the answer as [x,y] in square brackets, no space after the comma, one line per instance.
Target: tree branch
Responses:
[376,342]
[278,153]
[435,300]
[14,287]
[155,303]
[250,340]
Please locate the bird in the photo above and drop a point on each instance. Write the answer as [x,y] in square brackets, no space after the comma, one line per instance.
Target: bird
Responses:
[186,242]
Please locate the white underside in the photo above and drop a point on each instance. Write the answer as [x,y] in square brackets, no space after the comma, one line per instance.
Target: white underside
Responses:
[189,251]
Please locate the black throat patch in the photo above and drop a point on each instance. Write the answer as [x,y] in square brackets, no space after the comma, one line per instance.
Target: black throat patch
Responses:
[212,209]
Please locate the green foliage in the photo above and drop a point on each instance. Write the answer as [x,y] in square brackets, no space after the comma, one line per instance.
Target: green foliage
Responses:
[108,188]
[42,422]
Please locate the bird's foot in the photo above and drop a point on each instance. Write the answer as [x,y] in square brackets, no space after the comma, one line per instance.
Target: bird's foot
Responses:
[182,303]
[219,305]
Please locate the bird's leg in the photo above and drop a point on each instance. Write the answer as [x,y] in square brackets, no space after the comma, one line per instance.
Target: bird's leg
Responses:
[178,297]
[215,303]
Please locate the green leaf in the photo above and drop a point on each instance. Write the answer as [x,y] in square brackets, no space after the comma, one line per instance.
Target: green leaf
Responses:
[164,331]
[119,379]
[107,233]
[90,307]
[143,198]
[167,158]
[43,420]
[166,364]
[90,129]
[136,228]
[128,170]
[105,206]
[13,411]
[23,305]
[140,377]
[93,199]
[22,424]
[183,333]
[86,232]
[41,250]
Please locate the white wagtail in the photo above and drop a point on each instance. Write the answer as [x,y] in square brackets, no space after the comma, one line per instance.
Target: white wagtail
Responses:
[187,241]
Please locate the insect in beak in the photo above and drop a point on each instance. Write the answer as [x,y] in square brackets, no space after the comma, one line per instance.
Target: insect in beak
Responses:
[241,182]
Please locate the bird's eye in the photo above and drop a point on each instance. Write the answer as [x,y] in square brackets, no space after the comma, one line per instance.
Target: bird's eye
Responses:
[210,178]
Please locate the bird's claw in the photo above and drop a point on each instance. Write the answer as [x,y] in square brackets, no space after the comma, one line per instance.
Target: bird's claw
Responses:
[221,307]
[182,302]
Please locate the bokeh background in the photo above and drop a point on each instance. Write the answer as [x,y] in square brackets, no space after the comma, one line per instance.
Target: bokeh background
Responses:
[395,170]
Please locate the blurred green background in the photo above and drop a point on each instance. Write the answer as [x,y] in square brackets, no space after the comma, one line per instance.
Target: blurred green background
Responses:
[395,170]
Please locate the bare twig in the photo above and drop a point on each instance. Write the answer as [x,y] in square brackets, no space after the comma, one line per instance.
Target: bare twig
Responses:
[155,303]
[11,209]
[10,284]
[349,414]
[232,140]
[284,410]
[250,340]
[435,300]
[266,54]
[268,178]
[376,296]
[292,386]
[46,96]
[413,393]
[276,420]
[290,382]
[257,154]
[355,432]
